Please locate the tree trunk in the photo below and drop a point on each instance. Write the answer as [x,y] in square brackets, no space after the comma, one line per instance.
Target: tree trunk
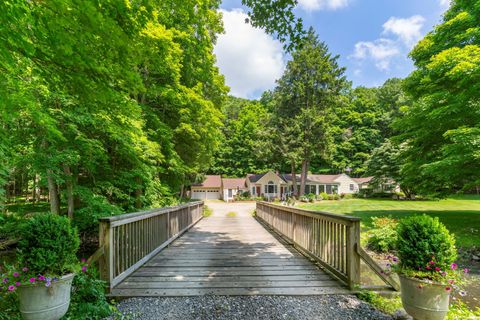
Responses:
[303,177]
[294,179]
[53,193]
[69,189]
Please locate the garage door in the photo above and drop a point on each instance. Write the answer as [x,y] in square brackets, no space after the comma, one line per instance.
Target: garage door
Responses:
[213,194]
[208,194]
[198,194]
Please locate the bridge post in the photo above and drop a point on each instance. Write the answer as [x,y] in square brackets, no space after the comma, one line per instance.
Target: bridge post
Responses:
[106,260]
[353,258]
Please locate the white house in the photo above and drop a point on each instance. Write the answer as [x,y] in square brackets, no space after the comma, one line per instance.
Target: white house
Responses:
[276,185]
[231,187]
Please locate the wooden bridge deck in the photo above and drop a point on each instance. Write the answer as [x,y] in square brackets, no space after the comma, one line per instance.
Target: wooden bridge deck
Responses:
[228,255]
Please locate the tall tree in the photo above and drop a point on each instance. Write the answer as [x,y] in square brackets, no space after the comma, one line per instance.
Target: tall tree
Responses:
[442,128]
[306,94]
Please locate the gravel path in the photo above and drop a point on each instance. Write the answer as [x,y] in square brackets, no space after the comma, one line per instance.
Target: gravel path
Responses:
[328,307]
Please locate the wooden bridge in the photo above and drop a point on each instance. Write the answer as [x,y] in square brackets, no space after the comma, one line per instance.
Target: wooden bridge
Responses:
[284,251]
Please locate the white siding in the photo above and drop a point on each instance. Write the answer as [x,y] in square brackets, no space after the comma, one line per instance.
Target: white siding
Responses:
[345,182]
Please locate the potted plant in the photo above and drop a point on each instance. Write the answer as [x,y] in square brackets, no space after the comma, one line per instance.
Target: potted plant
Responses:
[46,265]
[426,267]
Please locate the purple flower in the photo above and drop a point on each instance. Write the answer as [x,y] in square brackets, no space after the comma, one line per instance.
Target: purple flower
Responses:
[41,278]
[25,269]
[454,266]
[55,279]
[5,280]
[83,260]
[462,293]
[394,259]
[388,265]
[448,288]
[18,284]
[437,269]
[16,274]
[466,270]
[84,269]
[32,280]
[11,288]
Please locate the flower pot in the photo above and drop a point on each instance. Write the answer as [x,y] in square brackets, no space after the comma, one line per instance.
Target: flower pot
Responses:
[423,300]
[38,302]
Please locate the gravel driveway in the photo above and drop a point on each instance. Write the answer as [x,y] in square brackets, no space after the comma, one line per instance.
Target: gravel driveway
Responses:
[328,307]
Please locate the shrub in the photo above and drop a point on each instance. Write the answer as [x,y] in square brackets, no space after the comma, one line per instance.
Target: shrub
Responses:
[336,196]
[324,195]
[48,245]
[348,196]
[86,218]
[383,236]
[88,297]
[422,239]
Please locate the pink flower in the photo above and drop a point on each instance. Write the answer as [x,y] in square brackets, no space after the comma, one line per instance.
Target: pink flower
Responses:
[437,269]
[84,268]
[32,280]
[448,288]
[83,260]
[444,273]
[466,270]
[16,274]
[41,278]
[454,266]
[428,268]
[25,269]
[432,262]
[11,288]
[451,281]
[5,280]
[18,284]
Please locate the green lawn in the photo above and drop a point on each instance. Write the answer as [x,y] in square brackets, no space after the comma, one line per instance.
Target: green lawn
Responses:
[461,214]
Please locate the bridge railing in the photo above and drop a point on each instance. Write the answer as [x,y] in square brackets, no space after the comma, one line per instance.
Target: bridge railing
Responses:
[128,241]
[332,240]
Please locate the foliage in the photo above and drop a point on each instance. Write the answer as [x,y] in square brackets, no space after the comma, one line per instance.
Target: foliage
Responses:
[88,297]
[48,245]
[423,240]
[307,92]
[9,307]
[10,226]
[243,127]
[441,128]
[383,236]
[207,212]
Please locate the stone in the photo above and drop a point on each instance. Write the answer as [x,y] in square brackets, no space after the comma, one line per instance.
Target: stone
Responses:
[401,314]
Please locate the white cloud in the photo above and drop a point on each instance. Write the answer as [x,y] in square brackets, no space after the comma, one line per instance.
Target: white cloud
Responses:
[313,5]
[407,29]
[250,59]
[380,51]
[445,3]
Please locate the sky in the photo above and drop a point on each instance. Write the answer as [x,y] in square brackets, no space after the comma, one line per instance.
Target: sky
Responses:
[372,38]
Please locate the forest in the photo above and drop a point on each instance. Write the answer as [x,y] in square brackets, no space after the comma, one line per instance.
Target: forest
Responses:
[110,107]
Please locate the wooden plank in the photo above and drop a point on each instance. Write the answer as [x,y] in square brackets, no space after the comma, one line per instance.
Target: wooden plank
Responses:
[220,273]
[228,277]
[226,284]
[227,292]
[388,279]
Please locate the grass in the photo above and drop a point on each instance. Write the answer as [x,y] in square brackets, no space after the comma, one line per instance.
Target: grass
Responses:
[207,212]
[461,214]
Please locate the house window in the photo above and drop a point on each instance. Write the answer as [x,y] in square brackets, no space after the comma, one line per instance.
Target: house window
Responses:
[270,188]
[352,187]
[329,188]
[322,188]
[253,191]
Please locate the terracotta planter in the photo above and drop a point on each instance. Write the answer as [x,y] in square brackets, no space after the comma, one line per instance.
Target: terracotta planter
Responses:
[423,300]
[38,302]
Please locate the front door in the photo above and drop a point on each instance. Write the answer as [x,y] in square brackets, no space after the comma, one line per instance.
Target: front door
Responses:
[258,191]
